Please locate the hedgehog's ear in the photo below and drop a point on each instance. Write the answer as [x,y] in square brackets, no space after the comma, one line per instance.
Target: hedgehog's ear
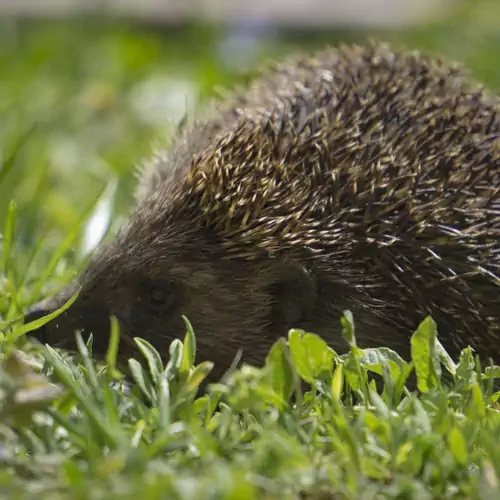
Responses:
[294,294]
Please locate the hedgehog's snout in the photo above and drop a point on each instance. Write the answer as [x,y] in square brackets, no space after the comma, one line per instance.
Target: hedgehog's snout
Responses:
[36,312]
[85,315]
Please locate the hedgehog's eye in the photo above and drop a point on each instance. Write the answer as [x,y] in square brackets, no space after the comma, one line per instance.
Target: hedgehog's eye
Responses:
[160,295]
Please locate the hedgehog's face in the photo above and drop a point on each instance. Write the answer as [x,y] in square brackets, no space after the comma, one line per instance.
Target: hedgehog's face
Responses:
[150,283]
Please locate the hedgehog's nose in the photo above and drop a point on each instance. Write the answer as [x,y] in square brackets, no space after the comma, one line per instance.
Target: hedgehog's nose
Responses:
[36,312]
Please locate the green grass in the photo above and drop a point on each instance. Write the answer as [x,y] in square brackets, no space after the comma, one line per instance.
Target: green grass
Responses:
[78,108]
[72,429]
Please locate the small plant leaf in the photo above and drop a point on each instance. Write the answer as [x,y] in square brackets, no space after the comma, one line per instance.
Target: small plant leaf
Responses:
[311,356]
[425,355]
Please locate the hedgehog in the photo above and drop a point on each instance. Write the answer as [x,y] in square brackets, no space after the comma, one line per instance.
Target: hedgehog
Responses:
[361,178]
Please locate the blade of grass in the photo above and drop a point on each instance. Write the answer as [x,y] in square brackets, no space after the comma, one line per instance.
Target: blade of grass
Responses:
[113,345]
[9,163]
[31,258]
[38,323]
[64,247]
[8,236]
[110,434]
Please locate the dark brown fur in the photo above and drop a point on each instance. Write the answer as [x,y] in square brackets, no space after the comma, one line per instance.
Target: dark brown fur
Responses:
[356,178]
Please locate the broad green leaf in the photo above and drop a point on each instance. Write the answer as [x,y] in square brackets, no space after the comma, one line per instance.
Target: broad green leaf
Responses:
[198,375]
[280,371]
[311,355]
[425,355]
[375,359]
[458,446]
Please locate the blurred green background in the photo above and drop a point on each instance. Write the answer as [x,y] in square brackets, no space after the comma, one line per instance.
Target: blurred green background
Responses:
[83,99]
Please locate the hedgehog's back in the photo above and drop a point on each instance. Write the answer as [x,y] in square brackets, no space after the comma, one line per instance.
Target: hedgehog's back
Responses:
[371,91]
[354,129]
